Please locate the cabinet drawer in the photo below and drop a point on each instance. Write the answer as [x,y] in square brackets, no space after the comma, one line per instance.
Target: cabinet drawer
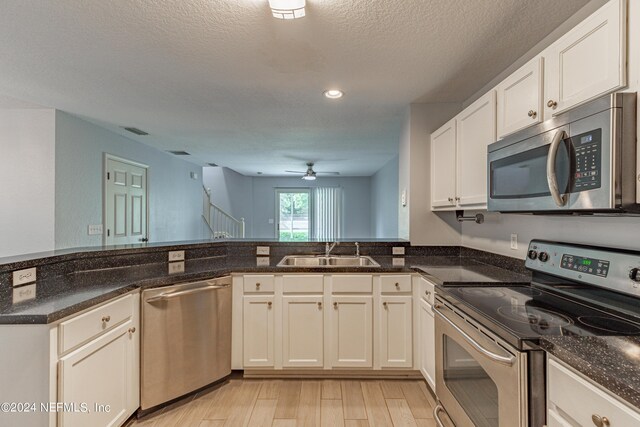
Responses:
[258,283]
[395,284]
[302,284]
[352,283]
[427,290]
[580,399]
[92,323]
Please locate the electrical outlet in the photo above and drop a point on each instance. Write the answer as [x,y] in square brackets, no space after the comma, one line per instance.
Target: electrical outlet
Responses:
[176,267]
[24,293]
[262,261]
[176,256]
[403,198]
[514,241]
[95,229]
[262,250]
[398,250]
[398,262]
[21,277]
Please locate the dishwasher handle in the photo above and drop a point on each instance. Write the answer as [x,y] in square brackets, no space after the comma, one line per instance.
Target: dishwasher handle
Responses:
[170,295]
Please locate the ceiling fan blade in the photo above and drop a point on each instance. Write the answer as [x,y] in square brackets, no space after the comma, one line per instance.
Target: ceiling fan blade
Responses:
[296,172]
[329,173]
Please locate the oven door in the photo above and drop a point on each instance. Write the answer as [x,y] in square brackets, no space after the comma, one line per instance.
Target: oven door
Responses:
[478,381]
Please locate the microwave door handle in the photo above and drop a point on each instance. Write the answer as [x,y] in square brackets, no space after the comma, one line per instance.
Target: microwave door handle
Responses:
[552,179]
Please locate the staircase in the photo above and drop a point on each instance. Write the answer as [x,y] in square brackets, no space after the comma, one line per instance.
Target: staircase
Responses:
[221,224]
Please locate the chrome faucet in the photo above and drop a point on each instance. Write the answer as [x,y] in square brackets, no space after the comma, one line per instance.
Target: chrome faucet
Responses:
[328,248]
[357,249]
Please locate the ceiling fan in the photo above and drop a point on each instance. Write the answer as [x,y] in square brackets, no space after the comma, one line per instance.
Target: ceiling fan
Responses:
[310,174]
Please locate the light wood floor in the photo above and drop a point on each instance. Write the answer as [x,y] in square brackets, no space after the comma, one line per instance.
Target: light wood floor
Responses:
[293,403]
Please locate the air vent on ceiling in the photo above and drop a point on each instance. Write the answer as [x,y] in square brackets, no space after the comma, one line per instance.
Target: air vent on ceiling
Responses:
[213,164]
[179,152]
[136,131]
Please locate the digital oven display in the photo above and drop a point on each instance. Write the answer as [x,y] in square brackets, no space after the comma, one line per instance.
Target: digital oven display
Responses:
[597,267]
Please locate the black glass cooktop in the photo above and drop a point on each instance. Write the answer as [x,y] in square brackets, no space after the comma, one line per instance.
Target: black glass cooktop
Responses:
[530,312]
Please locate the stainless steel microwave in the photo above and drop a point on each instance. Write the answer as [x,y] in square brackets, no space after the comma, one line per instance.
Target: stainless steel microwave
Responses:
[582,161]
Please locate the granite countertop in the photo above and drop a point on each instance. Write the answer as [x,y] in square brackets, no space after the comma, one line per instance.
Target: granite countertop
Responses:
[467,271]
[612,362]
[60,296]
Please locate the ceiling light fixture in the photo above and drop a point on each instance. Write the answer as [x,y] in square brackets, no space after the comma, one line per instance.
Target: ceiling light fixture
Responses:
[310,176]
[287,9]
[333,94]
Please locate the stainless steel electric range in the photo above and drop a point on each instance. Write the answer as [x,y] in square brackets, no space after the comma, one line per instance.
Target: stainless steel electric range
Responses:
[490,371]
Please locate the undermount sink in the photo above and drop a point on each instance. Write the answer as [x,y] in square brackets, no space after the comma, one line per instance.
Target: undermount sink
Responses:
[328,262]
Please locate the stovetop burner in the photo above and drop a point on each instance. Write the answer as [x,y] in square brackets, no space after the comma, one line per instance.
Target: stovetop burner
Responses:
[609,324]
[482,292]
[541,317]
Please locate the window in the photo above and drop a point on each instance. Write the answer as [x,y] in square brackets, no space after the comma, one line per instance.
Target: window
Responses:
[309,213]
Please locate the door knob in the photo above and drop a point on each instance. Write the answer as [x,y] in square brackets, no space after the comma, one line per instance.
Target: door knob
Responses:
[552,104]
[532,114]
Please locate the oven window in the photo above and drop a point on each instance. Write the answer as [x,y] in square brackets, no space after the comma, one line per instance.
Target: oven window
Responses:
[524,175]
[472,387]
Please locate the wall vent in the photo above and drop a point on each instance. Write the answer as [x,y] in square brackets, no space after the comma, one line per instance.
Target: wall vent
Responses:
[179,152]
[213,164]
[136,131]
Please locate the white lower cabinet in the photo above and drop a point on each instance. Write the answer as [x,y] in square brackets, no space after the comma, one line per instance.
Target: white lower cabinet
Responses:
[345,321]
[302,331]
[576,401]
[99,373]
[396,332]
[427,344]
[351,331]
[258,331]
[102,375]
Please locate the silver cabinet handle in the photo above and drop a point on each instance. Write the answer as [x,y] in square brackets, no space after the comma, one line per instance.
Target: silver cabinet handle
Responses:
[509,361]
[552,104]
[427,293]
[450,199]
[397,285]
[257,285]
[532,114]
[106,319]
[436,417]
[457,199]
[599,421]
[132,330]
[552,179]
[170,295]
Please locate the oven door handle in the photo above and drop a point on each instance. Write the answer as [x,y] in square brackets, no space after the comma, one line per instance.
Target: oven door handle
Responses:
[552,178]
[509,361]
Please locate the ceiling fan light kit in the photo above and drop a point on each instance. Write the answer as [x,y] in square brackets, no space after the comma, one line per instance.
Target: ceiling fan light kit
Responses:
[310,174]
[287,9]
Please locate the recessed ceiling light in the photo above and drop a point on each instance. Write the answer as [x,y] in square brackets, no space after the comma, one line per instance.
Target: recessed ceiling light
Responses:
[333,94]
[287,9]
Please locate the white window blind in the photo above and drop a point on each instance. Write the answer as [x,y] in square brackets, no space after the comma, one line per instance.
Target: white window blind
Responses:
[327,213]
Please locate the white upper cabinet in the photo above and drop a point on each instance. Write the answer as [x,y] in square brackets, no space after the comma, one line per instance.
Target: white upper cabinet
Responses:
[476,129]
[520,98]
[588,61]
[443,166]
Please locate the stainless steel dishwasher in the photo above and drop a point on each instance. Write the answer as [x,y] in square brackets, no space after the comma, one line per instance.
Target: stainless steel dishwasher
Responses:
[186,339]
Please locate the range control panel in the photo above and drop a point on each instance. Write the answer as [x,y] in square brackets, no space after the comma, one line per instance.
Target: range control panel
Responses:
[588,158]
[599,267]
[613,269]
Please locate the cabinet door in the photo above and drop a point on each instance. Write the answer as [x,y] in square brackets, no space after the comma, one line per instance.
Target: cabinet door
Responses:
[476,129]
[443,167]
[303,331]
[427,344]
[100,375]
[258,330]
[396,332]
[520,99]
[351,331]
[588,61]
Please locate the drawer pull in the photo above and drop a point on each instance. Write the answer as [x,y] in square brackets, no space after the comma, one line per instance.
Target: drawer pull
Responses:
[599,421]
[257,285]
[269,304]
[552,104]
[532,114]
[427,293]
[132,330]
[335,305]
[397,285]
[384,304]
[319,305]
[106,319]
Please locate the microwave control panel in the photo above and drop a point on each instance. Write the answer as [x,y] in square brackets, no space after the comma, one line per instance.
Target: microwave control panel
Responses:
[588,158]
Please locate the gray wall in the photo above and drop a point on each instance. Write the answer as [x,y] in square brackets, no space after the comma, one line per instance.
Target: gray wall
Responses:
[232,192]
[385,200]
[175,200]
[27,172]
[356,208]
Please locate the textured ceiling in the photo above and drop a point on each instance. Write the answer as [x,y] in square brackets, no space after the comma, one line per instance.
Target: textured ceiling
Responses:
[226,82]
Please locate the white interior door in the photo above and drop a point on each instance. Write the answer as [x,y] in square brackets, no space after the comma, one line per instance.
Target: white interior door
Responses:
[125,202]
